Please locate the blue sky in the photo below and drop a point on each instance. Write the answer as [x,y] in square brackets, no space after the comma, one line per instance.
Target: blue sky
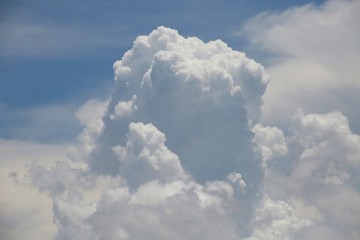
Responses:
[236,120]
[59,54]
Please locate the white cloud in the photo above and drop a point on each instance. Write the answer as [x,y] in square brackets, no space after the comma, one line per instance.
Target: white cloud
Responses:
[164,203]
[169,155]
[124,109]
[237,179]
[182,86]
[322,175]
[270,141]
[276,220]
[91,111]
[316,57]
[146,155]
[172,155]
[90,116]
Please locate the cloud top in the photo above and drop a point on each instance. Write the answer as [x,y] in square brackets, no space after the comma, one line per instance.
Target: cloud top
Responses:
[202,96]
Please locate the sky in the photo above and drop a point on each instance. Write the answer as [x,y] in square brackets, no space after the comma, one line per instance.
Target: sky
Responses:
[180,119]
[59,55]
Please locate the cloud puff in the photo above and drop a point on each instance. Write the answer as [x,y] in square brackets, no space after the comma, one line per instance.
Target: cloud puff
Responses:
[277,220]
[146,155]
[123,109]
[270,141]
[318,73]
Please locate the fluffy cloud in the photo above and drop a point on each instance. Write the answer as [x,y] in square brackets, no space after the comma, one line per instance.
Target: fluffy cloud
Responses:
[321,177]
[146,155]
[315,54]
[151,198]
[202,96]
[177,152]
[170,154]
[270,141]
[123,109]
[277,220]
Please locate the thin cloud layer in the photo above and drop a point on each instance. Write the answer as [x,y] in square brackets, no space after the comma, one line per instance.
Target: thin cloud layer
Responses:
[177,152]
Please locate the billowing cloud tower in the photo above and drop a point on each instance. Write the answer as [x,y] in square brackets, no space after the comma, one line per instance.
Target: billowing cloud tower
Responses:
[177,152]
[170,154]
[202,96]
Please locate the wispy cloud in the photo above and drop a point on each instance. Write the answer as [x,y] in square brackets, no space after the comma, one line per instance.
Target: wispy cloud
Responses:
[50,123]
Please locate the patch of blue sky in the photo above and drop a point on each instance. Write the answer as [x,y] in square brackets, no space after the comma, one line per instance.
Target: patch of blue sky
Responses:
[61,54]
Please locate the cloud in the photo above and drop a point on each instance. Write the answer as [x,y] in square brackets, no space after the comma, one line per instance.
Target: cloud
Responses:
[277,220]
[317,174]
[182,86]
[146,154]
[91,111]
[270,141]
[123,109]
[151,198]
[321,180]
[177,152]
[170,154]
[315,54]
[24,213]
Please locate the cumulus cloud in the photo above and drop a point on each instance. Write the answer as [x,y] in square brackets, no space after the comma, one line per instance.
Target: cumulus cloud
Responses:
[177,152]
[198,94]
[321,179]
[169,155]
[315,54]
[151,198]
